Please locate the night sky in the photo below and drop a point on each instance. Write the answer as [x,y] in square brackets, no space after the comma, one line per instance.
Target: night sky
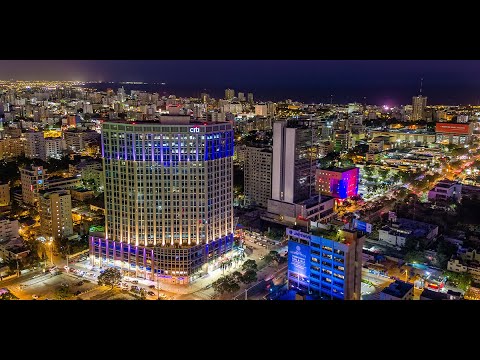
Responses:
[382,82]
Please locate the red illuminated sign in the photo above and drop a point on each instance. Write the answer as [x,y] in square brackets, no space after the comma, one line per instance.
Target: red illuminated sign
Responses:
[452,128]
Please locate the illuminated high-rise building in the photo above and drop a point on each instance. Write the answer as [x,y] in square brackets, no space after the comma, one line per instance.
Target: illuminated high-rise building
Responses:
[330,268]
[33,180]
[250,98]
[55,209]
[418,103]
[229,94]
[35,145]
[293,169]
[258,175]
[168,197]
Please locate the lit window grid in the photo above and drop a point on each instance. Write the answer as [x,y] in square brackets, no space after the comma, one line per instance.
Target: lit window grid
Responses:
[171,205]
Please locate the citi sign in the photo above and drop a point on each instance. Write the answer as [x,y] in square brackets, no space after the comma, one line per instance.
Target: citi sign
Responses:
[298,234]
[194,130]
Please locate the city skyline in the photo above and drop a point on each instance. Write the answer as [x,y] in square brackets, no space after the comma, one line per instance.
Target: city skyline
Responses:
[383,82]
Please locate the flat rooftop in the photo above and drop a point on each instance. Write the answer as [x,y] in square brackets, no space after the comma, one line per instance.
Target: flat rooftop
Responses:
[169,120]
[315,200]
[433,295]
[445,183]
[398,289]
[337,169]
[417,228]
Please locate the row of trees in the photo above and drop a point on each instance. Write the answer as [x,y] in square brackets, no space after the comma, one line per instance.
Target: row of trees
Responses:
[230,283]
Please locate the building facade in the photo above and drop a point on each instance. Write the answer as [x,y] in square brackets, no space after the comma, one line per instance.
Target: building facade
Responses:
[446,189]
[55,208]
[454,133]
[293,167]
[8,230]
[4,194]
[53,148]
[340,183]
[33,180]
[418,104]
[35,145]
[257,176]
[229,94]
[77,140]
[329,268]
[168,190]
[343,140]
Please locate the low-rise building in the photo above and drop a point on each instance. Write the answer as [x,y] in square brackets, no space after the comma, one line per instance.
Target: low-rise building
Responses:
[81,194]
[468,262]
[8,230]
[397,232]
[63,182]
[14,249]
[317,209]
[433,295]
[446,189]
[4,194]
[398,290]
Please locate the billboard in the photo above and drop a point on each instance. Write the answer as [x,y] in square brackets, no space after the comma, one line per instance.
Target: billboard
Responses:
[362,226]
[299,258]
[453,128]
[298,234]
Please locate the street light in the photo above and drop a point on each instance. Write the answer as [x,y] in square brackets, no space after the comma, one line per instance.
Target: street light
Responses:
[50,244]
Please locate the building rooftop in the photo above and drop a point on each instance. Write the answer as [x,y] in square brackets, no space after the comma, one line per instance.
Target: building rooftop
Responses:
[433,295]
[411,227]
[337,169]
[398,289]
[315,200]
[168,120]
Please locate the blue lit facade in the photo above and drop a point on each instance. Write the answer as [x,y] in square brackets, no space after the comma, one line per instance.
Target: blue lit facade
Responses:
[168,196]
[339,183]
[323,267]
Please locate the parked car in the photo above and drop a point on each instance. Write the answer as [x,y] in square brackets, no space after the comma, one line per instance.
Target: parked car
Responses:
[151,293]
[35,297]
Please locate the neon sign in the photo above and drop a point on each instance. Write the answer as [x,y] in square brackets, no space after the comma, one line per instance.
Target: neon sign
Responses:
[194,130]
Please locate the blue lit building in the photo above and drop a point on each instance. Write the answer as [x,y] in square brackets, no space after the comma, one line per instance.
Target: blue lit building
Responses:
[327,268]
[168,197]
[340,183]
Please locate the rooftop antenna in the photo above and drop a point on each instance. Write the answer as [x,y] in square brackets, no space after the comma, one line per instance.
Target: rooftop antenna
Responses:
[421,86]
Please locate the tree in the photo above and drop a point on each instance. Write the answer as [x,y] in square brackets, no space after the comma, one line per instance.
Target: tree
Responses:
[237,275]
[249,276]
[142,294]
[414,256]
[250,265]
[226,284]
[460,280]
[62,292]
[445,250]
[110,277]
[272,256]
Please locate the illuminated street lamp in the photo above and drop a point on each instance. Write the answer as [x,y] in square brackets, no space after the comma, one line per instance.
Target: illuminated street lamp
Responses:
[50,244]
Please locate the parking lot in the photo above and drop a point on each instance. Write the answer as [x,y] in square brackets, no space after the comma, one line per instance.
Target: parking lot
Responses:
[44,286]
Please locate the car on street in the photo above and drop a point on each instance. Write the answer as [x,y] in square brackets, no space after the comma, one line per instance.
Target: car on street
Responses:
[35,297]
[261,258]
[134,281]
[151,293]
